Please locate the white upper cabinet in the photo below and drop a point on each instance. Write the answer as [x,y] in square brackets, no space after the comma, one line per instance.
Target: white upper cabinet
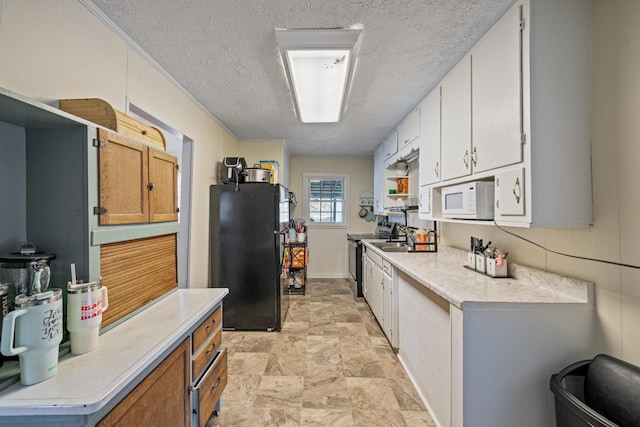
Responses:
[378,180]
[391,144]
[496,100]
[409,129]
[456,121]
[429,171]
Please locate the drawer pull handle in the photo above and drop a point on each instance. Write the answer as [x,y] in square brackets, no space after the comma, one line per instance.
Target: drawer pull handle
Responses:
[211,325]
[218,381]
[211,349]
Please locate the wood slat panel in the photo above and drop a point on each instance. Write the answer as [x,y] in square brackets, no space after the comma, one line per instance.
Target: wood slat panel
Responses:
[137,272]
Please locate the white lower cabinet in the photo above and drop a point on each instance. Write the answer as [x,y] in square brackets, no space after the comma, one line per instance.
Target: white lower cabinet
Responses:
[381,294]
[373,277]
[487,363]
[425,345]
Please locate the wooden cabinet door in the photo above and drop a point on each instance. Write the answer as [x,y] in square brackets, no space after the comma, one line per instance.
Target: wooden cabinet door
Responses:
[456,121]
[161,399]
[163,186]
[123,177]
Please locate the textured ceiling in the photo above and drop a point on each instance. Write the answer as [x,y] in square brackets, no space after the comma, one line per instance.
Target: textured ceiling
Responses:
[224,53]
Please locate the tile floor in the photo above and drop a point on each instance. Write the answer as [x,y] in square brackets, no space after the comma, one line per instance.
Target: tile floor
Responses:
[329,366]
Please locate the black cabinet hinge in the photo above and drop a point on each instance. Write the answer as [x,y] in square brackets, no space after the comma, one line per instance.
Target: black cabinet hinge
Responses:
[99,210]
[99,144]
[177,210]
[177,167]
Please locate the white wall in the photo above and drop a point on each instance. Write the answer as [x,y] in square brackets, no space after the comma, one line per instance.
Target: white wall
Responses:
[616,197]
[328,246]
[54,49]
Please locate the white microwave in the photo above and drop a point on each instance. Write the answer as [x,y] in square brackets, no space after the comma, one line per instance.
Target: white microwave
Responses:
[471,200]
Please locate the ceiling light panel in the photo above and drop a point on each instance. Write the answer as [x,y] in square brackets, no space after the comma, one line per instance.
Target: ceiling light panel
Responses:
[319,66]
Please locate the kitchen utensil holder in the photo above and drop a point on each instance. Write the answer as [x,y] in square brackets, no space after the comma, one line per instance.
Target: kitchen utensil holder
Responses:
[487,266]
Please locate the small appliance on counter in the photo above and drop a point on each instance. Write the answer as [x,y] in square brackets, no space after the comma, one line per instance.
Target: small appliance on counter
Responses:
[234,167]
[18,270]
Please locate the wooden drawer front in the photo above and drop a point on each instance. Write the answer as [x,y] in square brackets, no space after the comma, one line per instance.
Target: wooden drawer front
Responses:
[207,353]
[137,272]
[201,335]
[211,387]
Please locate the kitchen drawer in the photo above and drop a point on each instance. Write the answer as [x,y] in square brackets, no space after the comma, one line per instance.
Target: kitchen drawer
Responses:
[386,267]
[206,328]
[377,259]
[207,392]
[208,352]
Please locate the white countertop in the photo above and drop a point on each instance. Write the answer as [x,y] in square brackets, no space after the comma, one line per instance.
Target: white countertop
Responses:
[86,383]
[444,273]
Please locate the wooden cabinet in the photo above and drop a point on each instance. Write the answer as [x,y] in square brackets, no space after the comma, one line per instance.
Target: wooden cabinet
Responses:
[390,144]
[137,184]
[409,129]
[429,172]
[209,370]
[456,121]
[378,180]
[162,398]
[496,101]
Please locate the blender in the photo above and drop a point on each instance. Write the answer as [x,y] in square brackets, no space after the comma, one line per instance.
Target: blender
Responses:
[18,270]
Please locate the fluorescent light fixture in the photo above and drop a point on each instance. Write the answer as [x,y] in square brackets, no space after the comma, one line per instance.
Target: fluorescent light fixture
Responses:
[319,65]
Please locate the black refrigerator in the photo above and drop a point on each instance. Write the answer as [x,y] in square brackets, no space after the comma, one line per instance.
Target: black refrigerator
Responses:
[247,225]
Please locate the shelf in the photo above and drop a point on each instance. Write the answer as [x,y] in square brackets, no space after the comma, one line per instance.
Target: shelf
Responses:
[393,178]
[396,195]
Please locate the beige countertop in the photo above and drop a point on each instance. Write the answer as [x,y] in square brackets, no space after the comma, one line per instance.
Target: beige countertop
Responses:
[444,273]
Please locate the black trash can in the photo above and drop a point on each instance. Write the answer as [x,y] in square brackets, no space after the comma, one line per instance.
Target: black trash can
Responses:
[604,391]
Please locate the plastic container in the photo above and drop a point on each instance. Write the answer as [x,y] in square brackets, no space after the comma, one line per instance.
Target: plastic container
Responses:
[603,392]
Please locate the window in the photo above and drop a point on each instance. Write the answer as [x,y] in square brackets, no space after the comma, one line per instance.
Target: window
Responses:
[326,199]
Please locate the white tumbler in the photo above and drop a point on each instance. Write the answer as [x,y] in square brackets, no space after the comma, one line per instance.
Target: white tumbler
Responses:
[85,304]
[33,331]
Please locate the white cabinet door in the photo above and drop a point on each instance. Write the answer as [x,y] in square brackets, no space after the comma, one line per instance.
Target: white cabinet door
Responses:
[424,202]
[387,304]
[374,297]
[496,100]
[456,121]
[409,129]
[391,144]
[510,194]
[429,160]
[378,180]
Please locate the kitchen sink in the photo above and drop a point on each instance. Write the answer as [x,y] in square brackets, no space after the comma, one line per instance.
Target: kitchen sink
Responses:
[391,246]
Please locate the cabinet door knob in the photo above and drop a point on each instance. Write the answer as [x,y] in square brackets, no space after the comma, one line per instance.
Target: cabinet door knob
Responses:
[150,186]
[437,169]
[516,190]
[474,156]
[465,159]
